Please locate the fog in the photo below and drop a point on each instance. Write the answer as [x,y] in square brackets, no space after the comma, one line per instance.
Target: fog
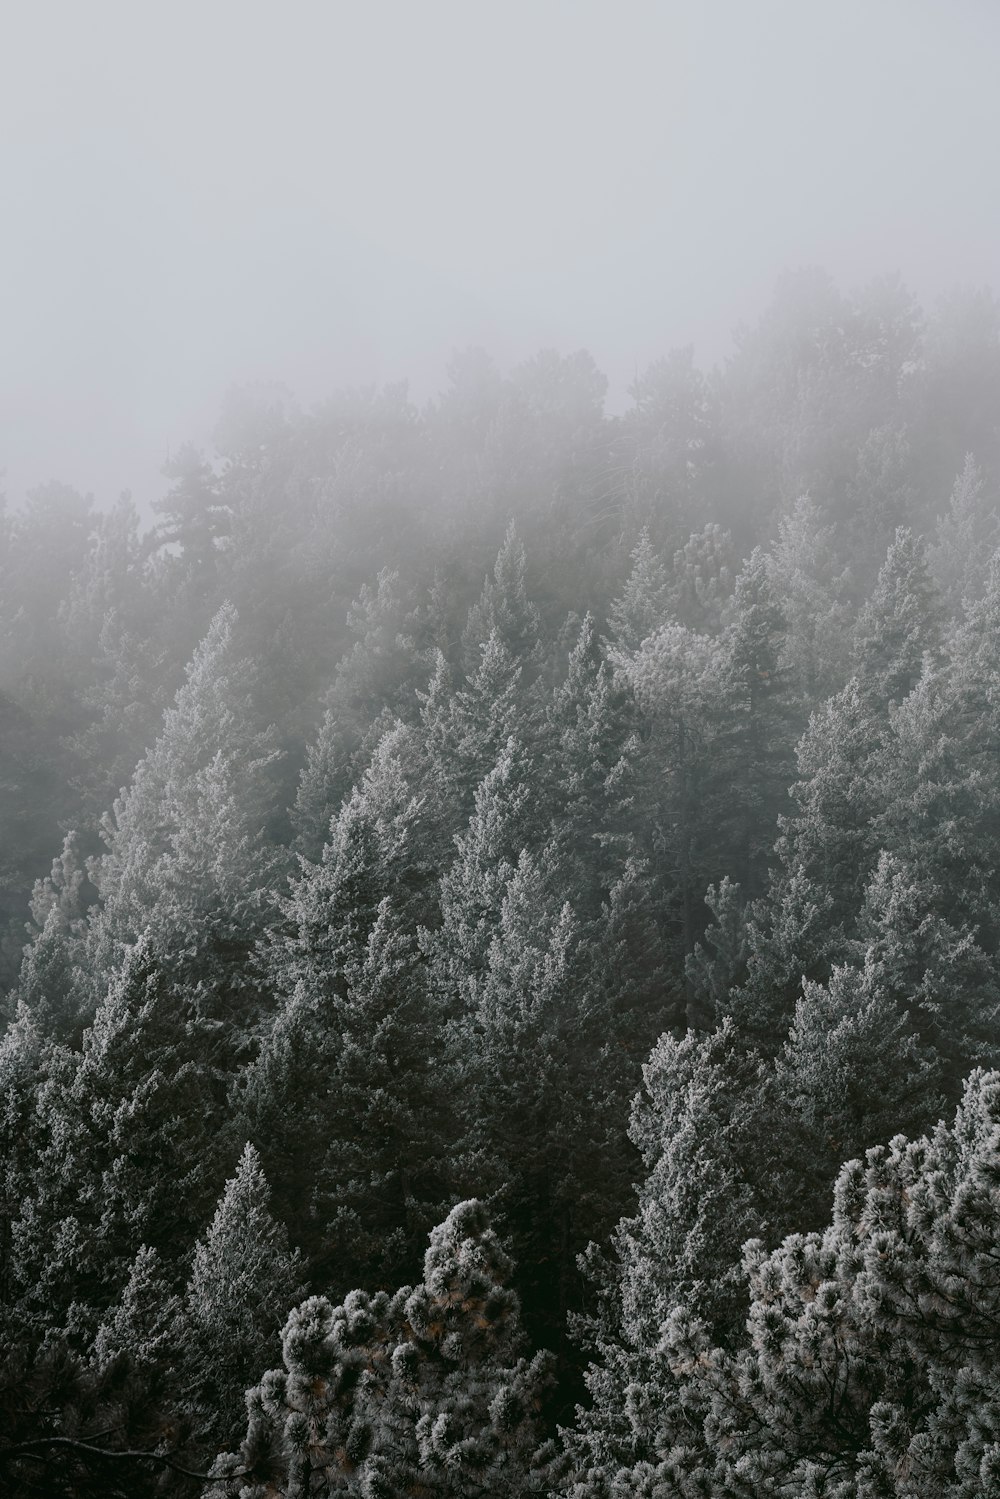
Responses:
[324,194]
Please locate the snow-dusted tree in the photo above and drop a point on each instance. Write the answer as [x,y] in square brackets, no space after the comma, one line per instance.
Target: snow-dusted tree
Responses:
[813,586]
[189,862]
[676,688]
[373,849]
[871,1368]
[965,539]
[702,578]
[899,624]
[755,730]
[543,1076]
[472,888]
[591,746]
[53,983]
[373,684]
[120,1146]
[243,1279]
[504,609]
[347,1101]
[852,1071]
[423,1391]
[146,1323]
[643,606]
[829,833]
[704,1127]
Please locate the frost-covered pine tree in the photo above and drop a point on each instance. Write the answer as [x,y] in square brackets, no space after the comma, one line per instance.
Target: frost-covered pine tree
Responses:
[189,862]
[643,605]
[347,1102]
[899,624]
[505,609]
[704,1126]
[243,1279]
[53,983]
[814,588]
[965,538]
[425,1390]
[591,746]
[756,726]
[871,1366]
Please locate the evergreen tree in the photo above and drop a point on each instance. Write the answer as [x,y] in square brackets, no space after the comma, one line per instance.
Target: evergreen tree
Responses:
[830,833]
[472,888]
[423,1390]
[243,1277]
[119,1147]
[542,1080]
[700,1123]
[871,1363]
[756,729]
[196,521]
[676,688]
[814,591]
[702,579]
[965,539]
[592,746]
[189,863]
[53,981]
[346,1100]
[643,604]
[899,624]
[504,609]
[146,1323]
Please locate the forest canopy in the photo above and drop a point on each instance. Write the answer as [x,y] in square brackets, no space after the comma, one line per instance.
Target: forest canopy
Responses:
[500,960]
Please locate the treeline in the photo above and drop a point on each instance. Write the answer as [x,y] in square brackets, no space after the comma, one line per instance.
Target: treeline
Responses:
[569,838]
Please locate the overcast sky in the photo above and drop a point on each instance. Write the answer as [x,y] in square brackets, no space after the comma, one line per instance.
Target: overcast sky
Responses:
[330,192]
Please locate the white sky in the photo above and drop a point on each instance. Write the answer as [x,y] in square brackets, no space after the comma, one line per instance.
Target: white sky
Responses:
[200,192]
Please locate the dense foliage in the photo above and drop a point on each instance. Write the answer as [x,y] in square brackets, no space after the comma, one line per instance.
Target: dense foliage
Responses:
[563,839]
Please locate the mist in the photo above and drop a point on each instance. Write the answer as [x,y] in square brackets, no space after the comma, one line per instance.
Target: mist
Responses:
[500,751]
[323,195]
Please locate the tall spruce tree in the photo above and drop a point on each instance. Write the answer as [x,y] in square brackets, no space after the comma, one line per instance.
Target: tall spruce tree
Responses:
[189,862]
[899,624]
[242,1280]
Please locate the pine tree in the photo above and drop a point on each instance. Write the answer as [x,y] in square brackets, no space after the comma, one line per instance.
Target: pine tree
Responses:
[542,1078]
[592,747]
[196,519]
[373,849]
[702,579]
[676,686]
[53,981]
[965,539]
[643,606]
[472,888]
[487,711]
[899,624]
[700,1124]
[423,1390]
[830,834]
[504,609]
[243,1278]
[371,690]
[189,863]
[146,1323]
[755,732]
[853,1070]
[119,1146]
[346,1100]
[815,598]
[871,1363]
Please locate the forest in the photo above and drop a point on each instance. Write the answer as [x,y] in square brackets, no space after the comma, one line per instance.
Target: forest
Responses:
[500,975]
